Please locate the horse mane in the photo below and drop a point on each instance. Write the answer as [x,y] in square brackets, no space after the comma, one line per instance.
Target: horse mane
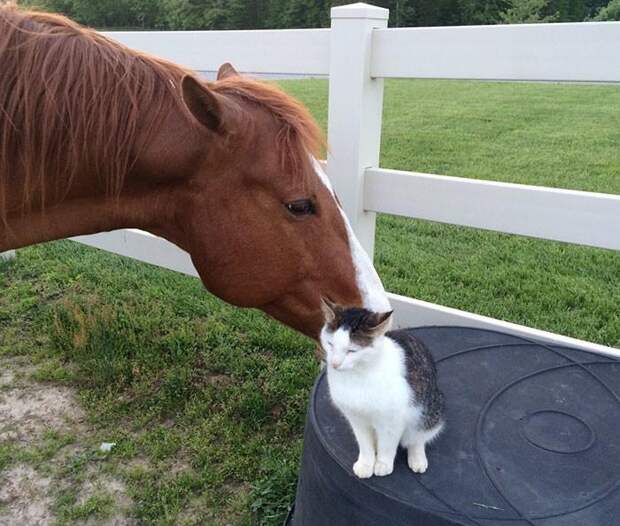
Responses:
[70,99]
[299,135]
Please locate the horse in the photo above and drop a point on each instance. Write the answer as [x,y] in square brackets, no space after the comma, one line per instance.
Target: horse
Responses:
[96,137]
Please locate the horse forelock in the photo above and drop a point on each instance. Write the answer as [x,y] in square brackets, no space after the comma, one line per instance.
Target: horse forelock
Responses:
[72,100]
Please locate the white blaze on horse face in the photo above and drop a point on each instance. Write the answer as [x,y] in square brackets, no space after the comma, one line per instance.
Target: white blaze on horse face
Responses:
[368,281]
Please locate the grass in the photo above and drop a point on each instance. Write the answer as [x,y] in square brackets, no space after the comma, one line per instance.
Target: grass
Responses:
[207,402]
[96,506]
[558,135]
[563,136]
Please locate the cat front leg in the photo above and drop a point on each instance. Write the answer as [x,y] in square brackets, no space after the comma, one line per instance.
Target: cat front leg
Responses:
[388,437]
[364,435]
[416,457]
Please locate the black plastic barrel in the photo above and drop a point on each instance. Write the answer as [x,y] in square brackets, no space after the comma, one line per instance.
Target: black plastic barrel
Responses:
[532,438]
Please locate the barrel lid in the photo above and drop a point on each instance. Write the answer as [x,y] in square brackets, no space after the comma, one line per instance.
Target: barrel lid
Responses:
[531,434]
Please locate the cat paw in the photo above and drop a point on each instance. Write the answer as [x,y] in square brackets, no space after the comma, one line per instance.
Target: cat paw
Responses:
[418,464]
[363,469]
[383,468]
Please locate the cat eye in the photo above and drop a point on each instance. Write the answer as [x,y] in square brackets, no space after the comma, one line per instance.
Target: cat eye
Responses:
[301,207]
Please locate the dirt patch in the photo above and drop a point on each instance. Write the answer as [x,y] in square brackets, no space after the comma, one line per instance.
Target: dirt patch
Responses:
[27,411]
[28,493]
[7,377]
[24,498]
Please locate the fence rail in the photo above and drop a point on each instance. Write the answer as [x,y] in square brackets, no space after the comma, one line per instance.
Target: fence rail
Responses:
[143,246]
[584,218]
[586,52]
[294,51]
[425,313]
[357,52]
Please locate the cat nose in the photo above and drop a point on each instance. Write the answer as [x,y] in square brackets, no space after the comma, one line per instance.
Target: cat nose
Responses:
[336,363]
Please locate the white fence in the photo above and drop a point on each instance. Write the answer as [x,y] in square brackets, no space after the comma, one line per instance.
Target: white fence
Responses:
[357,53]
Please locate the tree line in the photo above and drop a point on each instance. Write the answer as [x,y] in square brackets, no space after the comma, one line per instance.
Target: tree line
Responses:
[261,14]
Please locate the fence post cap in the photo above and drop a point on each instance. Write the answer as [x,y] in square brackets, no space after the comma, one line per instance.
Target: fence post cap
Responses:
[360,10]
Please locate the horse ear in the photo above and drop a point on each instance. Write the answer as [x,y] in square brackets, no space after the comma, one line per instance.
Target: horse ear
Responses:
[202,103]
[226,70]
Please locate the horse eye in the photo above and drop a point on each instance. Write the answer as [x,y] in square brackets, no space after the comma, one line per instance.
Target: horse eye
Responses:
[301,207]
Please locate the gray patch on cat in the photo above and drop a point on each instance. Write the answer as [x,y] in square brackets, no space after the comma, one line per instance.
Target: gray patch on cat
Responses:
[421,374]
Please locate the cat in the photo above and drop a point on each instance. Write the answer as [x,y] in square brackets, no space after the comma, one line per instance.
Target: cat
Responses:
[385,384]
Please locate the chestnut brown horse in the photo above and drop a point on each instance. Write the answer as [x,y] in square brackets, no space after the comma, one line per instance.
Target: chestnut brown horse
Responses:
[97,137]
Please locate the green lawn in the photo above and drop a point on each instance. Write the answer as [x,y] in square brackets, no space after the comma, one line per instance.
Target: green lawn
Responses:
[207,402]
[541,134]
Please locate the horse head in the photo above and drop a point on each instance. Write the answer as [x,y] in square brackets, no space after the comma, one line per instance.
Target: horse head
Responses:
[263,225]
[112,138]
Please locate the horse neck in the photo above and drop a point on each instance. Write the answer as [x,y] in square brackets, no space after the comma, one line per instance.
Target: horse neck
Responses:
[80,216]
[57,182]
[152,193]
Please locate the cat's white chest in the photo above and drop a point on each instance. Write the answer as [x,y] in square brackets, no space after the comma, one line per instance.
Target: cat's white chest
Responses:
[374,391]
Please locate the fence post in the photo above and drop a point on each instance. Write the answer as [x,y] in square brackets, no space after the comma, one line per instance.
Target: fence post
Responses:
[355,108]
[6,256]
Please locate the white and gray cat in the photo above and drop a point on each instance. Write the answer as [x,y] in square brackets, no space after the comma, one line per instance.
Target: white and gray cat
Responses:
[385,384]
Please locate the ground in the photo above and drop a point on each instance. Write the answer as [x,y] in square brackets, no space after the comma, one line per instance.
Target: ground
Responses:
[52,470]
[205,402]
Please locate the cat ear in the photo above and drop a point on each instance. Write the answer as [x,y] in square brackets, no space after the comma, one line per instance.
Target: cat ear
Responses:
[329,310]
[379,323]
